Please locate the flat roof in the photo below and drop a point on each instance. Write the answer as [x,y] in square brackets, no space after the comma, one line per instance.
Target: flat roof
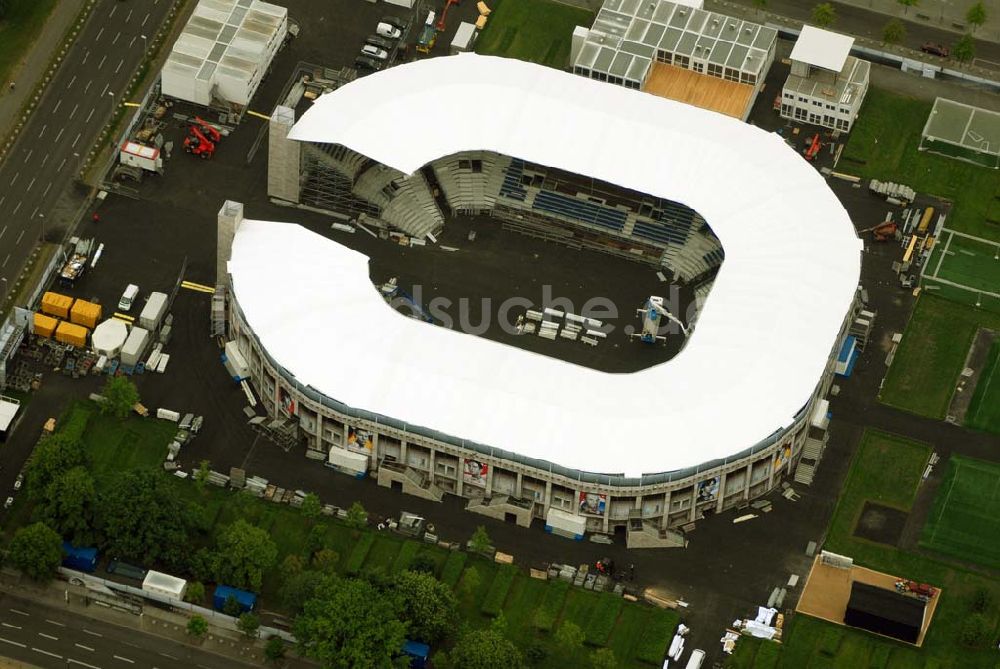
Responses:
[822,48]
[763,338]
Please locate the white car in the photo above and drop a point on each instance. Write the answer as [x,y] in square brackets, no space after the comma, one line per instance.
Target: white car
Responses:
[18,481]
[8,503]
[374,52]
[390,31]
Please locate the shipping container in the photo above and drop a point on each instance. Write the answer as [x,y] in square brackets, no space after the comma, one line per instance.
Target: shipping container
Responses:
[85,313]
[55,304]
[45,326]
[81,559]
[153,312]
[135,346]
[245,599]
[68,333]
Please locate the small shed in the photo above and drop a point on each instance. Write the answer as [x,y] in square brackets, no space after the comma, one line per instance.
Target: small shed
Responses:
[164,584]
[885,612]
[109,337]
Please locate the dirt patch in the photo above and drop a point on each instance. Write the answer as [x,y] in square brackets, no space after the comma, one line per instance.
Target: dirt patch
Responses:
[978,355]
[881,523]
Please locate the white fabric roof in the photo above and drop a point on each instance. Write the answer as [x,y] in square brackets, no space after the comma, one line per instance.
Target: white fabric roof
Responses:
[160,582]
[764,334]
[822,48]
[109,336]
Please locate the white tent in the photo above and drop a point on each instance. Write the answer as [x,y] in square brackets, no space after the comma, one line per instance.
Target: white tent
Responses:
[108,337]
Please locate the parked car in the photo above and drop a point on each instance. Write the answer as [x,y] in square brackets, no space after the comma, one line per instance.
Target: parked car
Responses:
[396,22]
[18,481]
[388,30]
[374,52]
[935,49]
[8,503]
[380,42]
[366,64]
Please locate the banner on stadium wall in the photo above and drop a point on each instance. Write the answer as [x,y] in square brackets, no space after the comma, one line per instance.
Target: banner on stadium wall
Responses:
[782,456]
[593,503]
[708,489]
[474,471]
[286,402]
[359,439]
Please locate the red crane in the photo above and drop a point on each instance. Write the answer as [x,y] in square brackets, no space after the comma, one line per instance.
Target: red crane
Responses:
[440,26]
[202,138]
[813,149]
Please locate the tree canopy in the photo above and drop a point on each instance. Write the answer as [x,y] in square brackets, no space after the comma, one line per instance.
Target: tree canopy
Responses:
[120,395]
[36,550]
[68,505]
[52,457]
[964,49]
[349,623]
[485,649]
[976,16]
[894,32]
[824,15]
[245,551]
[427,605]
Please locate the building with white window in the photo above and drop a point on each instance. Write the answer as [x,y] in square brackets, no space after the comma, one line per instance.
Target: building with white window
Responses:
[827,85]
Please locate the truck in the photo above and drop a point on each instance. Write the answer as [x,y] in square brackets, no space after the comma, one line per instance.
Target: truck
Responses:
[223,593]
[152,313]
[135,346]
[79,558]
[428,35]
[76,260]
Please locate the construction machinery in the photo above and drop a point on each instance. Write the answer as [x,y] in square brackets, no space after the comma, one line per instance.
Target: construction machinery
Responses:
[442,21]
[882,232]
[428,35]
[202,138]
[812,150]
[652,313]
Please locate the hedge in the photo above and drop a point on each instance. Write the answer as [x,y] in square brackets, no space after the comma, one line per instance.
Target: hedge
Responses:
[360,552]
[497,595]
[405,556]
[453,568]
[551,606]
[652,647]
[602,620]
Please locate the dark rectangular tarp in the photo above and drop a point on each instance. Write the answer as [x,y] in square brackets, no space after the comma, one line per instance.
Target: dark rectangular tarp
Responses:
[885,612]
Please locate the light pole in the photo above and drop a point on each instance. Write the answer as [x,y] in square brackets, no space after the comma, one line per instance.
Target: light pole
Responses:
[41,233]
[112,96]
[145,47]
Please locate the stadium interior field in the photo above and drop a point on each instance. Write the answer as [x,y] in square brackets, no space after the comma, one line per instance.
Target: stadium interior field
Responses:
[964,521]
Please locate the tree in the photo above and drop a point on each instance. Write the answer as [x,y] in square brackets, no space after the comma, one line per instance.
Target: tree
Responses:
[275,649]
[68,505]
[203,564]
[975,631]
[349,623]
[292,564]
[317,539]
[964,49]
[760,5]
[299,588]
[357,517]
[120,395]
[976,16]
[231,607]
[249,624]
[311,506]
[142,518]
[201,474]
[423,563]
[36,550]
[569,636]
[480,541]
[326,560]
[485,649]
[197,626]
[907,4]
[894,32]
[982,599]
[244,553]
[603,658]
[195,592]
[824,15]
[470,582]
[52,457]
[427,605]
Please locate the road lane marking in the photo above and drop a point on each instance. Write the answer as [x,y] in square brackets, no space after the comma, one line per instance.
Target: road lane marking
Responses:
[75,107]
[30,184]
[114,8]
[129,16]
[2,198]
[87,87]
[61,131]
[86,631]
[13,643]
[85,57]
[145,18]
[19,235]
[168,656]
[77,139]
[123,659]
[42,132]
[105,89]
[48,636]
[16,175]
[117,35]
[44,193]
[70,660]
[101,64]
[99,34]
[59,169]
[120,63]
[53,622]
[13,627]
[12,213]
[45,652]
[5,260]
[132,42]
[80,645]
[89,116]
[27,156]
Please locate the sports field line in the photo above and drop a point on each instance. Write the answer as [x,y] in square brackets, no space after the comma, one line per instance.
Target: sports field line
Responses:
[973,237]
[944,505]
[944,252]
[986,388]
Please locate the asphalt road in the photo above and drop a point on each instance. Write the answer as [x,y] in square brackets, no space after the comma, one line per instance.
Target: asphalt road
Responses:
[76,105]
[46,636]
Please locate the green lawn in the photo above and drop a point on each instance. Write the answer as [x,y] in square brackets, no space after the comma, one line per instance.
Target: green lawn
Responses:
[965,519]
[534,30]
[932,354]
[984,410]
[18,30]
[883,145]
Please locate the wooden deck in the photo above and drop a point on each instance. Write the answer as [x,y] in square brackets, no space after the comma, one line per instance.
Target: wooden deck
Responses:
[700,90]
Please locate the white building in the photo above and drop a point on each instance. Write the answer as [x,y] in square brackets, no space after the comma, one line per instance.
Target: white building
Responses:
[224,51]
[827,85]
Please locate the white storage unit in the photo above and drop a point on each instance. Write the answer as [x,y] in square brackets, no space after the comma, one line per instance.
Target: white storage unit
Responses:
[465,37]
[152,313]
[139,155]
[565,524]
[135,346]
[164,584]
[108,337]
[348,462]
[224,51]
[235,363]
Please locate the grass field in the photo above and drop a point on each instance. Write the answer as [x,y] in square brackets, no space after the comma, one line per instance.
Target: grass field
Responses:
[883,145]
[984,410]
[886,469]
[932,354]
[18,29]
[967,261]
[965,519]
[534,30]
[633,631]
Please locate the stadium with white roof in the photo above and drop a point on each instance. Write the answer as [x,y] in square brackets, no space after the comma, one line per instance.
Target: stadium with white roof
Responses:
[523,435]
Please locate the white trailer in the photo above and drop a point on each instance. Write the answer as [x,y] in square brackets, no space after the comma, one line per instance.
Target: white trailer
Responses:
[134,154]
[565,524]
[165,584]
[152,313]
[464,38]
[135,346]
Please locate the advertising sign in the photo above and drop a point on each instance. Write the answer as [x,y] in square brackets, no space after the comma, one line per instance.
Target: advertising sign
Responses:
[593,503]
[474,471]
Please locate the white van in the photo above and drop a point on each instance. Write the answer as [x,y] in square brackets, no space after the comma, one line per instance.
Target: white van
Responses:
[697,657]
[128,297]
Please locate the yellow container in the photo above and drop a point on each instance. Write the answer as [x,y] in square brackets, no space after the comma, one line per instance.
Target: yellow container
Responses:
[85,313]
[69,333]
[45,326]
[56,305]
